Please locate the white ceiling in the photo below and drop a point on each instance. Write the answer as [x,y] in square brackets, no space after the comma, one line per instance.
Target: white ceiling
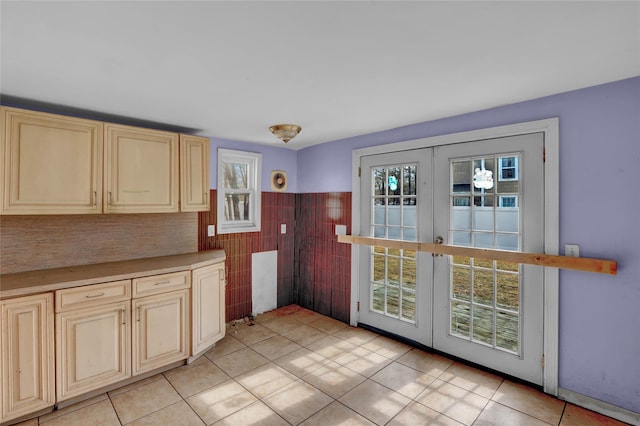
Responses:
[338,69]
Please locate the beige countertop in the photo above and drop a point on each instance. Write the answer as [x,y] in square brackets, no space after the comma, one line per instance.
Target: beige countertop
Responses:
[32,282]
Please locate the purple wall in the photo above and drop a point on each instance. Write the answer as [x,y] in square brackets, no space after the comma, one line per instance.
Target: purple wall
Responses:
[599,346]
[273,158]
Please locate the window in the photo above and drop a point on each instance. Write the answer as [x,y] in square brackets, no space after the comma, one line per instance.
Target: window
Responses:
[508,200]
[508,168]
[239,191]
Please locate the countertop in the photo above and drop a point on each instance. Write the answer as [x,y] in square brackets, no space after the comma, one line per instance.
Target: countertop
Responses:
[40,281]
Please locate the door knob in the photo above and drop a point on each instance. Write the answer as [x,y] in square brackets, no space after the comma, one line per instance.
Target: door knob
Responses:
[438,240]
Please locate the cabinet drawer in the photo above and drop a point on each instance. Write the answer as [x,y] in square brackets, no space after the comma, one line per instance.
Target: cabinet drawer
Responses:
[92,295]
[156,284]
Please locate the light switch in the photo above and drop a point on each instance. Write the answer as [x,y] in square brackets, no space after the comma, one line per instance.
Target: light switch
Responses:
[283,228]
[211,231]
[341,229]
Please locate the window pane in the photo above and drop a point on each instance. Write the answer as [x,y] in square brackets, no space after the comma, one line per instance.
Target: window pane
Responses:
[409,183]
[460,318]
[235,176]
[237,207]
[378,181]
[461,176]
[483,324]
[507,331]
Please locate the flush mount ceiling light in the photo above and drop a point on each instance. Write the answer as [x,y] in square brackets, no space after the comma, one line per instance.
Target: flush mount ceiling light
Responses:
[285,132]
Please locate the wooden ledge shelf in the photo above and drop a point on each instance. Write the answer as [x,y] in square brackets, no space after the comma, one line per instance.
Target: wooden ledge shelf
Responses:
[601,266]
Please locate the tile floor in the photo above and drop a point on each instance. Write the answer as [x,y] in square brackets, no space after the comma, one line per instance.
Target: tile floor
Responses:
[294,366]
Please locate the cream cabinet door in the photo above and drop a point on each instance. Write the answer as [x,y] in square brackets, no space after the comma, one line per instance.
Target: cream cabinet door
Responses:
[194,173]
[27,355]
[93,348]
[160,330]
[140,170]
[208,288]
[50,164]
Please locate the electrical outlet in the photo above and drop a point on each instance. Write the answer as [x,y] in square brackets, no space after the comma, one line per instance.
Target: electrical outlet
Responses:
[283,228]
[572,250]
[211,231]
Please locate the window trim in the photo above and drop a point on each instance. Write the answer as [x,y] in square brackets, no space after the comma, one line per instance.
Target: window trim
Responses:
[254,189]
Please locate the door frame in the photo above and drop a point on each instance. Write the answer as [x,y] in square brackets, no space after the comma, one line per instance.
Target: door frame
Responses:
[550,128]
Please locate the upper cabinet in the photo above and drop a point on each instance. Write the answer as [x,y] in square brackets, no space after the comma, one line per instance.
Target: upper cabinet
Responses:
[50,164]
[140,170]
[194,173]
[53,164]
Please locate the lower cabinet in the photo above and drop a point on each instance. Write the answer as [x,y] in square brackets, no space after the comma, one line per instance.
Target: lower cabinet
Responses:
[160,330]
[93,338]
[208,292]
[26,364]
[103,334]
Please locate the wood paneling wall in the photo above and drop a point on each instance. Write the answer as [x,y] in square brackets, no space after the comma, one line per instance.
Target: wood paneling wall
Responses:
[323,266]
[314,271]
[277,208]
[42,242]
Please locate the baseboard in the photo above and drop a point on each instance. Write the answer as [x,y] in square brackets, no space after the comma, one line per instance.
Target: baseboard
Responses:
[598,406]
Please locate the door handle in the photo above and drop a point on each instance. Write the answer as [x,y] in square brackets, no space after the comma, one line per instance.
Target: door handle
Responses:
[438,240]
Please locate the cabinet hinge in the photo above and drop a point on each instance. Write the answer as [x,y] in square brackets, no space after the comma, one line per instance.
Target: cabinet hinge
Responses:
[544,155]
[358,307]
[359,171]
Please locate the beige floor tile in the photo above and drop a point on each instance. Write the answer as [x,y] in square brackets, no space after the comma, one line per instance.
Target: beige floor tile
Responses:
[266,379]
[197,378]
[363,361]
[135,385]
[178,414]
[426,362]
[387,347]
[403,379]
[239,362]
[100,413]
[282,325]
[144,400]
[336,414]
[306,316]
[297,401]
[275,347]
[267,316]
[301,362]
[578,416]
[355,335]
[469,378]
[71,408]
[375,402]
[499,415]
[253,334]
[224,347]
[328,325]
[220,401]
[194,364]
[457,403]
[331,347]
[256,414]
[529,401]
[417,414]
[305,335]
[334,379]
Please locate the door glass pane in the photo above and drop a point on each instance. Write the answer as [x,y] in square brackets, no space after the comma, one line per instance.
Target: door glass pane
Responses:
[394,216]
[485,294]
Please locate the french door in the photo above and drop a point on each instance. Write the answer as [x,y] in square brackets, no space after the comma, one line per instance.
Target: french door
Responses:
[483,194]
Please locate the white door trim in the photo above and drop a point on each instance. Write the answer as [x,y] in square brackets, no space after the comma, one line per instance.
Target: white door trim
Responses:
[550,128]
